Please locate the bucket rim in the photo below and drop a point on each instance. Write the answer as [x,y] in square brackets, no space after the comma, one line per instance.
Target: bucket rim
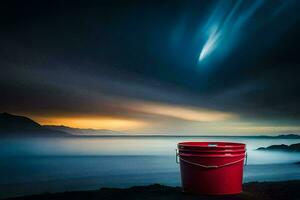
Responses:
[212,155]
[212,145]
[201,151]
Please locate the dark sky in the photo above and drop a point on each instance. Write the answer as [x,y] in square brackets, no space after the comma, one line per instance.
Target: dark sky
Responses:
[194,67]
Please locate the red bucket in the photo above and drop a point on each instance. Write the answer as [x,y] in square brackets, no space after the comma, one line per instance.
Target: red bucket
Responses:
[213,168]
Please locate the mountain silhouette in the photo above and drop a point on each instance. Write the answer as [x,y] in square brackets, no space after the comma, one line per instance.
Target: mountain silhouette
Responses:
[14,125]
[85,132]
[282,147]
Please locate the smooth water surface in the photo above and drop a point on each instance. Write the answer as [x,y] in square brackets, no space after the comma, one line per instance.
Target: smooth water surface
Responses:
[39,165]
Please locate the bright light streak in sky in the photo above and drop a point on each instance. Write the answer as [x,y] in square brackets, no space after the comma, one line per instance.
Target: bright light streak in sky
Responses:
[210,45]
[223,27]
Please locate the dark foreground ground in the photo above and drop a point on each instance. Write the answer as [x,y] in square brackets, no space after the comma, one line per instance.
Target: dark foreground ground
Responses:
[289,190]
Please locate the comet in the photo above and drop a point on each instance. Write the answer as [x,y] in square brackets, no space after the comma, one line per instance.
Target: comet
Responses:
[223,27]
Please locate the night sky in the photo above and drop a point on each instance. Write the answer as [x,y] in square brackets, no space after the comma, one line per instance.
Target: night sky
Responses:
[153,67]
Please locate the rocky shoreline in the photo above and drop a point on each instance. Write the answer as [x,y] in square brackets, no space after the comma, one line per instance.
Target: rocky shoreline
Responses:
[255,190]
[282,147]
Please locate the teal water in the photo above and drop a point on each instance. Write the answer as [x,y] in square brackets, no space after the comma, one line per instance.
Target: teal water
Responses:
[30,166]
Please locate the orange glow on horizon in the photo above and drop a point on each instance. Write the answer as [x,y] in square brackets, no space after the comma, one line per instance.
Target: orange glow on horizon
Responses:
[189,127]
[165,114]
[116,124]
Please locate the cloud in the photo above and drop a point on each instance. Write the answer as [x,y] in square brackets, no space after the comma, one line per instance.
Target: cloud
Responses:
[108,67]
[181,112]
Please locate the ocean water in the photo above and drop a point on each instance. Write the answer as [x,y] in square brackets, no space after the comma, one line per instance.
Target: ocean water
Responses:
[38,165]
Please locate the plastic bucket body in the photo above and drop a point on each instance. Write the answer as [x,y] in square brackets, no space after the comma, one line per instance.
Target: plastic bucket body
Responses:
[212,171]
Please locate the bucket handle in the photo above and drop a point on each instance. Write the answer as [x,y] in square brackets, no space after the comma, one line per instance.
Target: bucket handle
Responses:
[210,166]
[177,155]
